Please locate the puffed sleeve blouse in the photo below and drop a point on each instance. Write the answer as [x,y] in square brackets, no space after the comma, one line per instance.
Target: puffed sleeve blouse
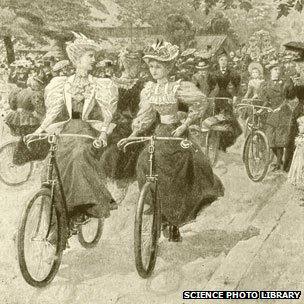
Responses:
[151,103]
[106,96]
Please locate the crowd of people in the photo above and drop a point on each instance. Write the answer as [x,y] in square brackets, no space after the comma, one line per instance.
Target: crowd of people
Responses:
[156,90]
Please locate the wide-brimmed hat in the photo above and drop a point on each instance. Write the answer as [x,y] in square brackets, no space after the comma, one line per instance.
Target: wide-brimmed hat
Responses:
[203,55]
[272,64]
[61,65]
[222,53]
[161,51]
[255,66]
[203,65]
[298,48]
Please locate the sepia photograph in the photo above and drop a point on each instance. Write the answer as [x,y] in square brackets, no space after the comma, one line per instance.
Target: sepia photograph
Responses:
[151,151]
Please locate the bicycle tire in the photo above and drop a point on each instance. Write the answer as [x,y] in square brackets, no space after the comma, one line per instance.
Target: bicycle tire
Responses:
[213,158]
[90,244]
[249,141]
[145,271]
[60,243]
[27,166]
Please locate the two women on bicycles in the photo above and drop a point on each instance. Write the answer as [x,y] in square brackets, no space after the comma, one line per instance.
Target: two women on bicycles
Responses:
[186,182]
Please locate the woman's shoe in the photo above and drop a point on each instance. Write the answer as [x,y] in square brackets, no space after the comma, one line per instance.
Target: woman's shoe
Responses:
[165,230]
[174,234]
[113,205]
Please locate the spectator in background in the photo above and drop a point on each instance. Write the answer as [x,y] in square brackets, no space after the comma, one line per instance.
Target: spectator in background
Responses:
[62,68]
[201,76]
[27,108]
[220,80]
[20,73]
[274,93]
[256,79]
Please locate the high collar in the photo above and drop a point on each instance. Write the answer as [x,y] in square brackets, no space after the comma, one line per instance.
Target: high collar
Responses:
[72,78]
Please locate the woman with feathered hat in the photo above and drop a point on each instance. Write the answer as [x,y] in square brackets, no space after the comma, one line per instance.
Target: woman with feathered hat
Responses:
[186,181]
[72,101]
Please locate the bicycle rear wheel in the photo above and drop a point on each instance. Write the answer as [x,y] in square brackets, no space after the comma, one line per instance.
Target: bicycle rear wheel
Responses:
[256,156]
[11,174]
[90,233]
[212,146]
[41,239]
[147,230]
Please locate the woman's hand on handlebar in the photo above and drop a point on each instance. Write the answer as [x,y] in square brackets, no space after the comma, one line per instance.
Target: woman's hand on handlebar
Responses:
[178,132]
[101,141]
[123,141]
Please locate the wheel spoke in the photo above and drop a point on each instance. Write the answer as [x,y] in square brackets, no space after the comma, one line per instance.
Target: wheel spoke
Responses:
[39,254]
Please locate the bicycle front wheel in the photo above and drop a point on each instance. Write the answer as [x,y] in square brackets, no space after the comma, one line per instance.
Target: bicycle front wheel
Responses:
[147,230]
[212,146]
[256,156]
[40,239]
[90,233]
[11,174]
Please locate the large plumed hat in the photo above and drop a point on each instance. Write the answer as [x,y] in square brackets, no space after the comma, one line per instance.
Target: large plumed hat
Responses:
[161,51]
[79,46]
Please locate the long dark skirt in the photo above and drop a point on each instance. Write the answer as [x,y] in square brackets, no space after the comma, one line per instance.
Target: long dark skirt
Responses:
[79,165]
[277,127]
[186,182]
[228,139]
[117,164]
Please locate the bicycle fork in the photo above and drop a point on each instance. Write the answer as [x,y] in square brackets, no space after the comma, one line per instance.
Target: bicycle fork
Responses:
[153,178]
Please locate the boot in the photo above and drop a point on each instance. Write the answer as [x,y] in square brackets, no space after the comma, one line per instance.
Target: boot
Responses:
[174,234]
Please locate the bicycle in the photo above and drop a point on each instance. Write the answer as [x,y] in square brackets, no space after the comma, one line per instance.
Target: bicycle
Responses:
[211,136]
[147,226]
[45,218]
[11,174]
[256,151]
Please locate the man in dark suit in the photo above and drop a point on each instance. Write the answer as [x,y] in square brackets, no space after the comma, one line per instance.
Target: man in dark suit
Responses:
[222,78]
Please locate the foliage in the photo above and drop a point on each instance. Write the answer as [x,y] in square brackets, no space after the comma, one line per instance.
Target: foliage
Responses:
[284,7]
[180,30]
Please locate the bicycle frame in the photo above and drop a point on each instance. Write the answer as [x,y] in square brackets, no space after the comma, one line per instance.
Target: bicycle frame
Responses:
[53,180]
[256,125]
[152,177]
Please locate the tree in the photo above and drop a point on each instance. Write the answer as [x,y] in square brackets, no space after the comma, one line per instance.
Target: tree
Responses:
[180,30]
[284,7]
[38,18]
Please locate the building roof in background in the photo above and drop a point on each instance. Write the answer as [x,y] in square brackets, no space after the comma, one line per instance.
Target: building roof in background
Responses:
[214,42]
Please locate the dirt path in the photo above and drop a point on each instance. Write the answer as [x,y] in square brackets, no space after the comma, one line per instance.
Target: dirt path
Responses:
[210,249]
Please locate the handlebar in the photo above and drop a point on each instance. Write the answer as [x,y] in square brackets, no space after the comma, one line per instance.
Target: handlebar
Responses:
[52,138]
[251,99]
[125,142]
[241,106]
[220,98]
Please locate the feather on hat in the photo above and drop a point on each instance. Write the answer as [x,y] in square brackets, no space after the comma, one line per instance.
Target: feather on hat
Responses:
[79,46]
